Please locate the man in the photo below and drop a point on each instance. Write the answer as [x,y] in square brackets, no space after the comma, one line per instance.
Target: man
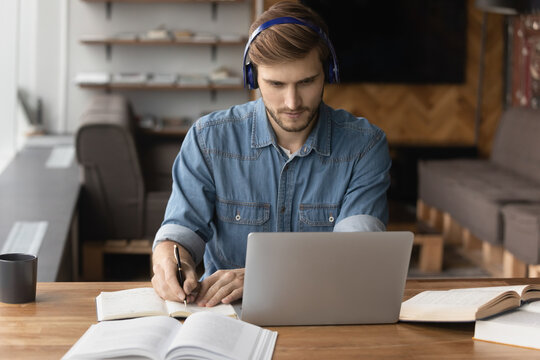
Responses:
[286,162]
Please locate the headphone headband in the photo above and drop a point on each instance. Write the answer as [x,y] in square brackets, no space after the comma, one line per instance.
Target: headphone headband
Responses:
[249,77]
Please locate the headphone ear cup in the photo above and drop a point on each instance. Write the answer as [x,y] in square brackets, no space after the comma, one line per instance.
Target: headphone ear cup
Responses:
[250,77]
[331,75]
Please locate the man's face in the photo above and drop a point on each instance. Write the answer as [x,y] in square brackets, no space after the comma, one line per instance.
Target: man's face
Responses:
[292,92]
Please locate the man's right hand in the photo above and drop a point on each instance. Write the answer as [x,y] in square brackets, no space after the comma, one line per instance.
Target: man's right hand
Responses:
[165,281]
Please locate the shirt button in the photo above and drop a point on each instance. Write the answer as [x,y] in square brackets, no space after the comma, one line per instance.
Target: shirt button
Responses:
[237,217]
[331,219]
[282,210]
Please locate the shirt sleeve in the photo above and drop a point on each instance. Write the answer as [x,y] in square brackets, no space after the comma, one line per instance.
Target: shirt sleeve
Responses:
[189,212]
[365,207]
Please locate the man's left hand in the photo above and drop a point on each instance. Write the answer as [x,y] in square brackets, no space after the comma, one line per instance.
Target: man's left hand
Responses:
[223,286]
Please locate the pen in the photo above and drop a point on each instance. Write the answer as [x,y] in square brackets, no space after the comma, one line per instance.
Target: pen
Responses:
[179,274]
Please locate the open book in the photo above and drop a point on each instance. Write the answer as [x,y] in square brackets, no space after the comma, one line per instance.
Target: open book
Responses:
[466,304]
[519,327]
[202,336]
[140,302]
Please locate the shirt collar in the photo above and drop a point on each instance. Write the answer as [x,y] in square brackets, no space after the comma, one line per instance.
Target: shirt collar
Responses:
[262,134]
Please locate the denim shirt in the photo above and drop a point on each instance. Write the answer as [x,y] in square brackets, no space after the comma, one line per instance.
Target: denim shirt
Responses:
[231,178]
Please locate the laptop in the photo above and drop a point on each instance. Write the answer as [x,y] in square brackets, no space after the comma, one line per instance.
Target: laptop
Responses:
[325,278]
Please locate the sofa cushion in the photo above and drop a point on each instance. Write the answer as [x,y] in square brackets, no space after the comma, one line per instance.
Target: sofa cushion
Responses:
[437,177]
[516,146]
[479,197]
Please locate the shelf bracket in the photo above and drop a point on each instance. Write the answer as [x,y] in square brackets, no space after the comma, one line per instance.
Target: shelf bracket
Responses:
[214,10]
[108,9]
[213,95]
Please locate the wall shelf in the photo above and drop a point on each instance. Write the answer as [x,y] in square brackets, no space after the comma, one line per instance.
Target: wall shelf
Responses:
[165,1]
[160,87]
[109,42]
[108,3]
[160,42]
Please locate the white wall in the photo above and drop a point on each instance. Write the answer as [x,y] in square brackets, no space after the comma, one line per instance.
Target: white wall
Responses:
[90,19]
[9,10]
[40,52]
[41,59]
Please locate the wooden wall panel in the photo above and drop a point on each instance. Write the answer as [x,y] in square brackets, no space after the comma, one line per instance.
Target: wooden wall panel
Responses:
[434,114]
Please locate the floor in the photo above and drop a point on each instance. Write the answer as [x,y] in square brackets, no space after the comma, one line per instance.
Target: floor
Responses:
[455,264]
[402,217]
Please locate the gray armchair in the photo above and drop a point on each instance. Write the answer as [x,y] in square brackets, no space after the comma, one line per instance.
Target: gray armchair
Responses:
[126,182]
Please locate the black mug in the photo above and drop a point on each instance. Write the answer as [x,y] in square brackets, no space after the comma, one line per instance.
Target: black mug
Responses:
[18,276]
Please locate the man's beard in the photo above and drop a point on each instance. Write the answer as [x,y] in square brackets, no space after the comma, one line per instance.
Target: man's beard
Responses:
[299,127]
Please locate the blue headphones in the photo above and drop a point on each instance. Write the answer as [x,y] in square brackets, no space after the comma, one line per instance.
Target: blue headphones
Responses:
[250,80]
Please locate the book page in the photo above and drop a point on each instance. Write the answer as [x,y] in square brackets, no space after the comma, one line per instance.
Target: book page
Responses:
[219,337]
[148,336]
[500,289]
[520,327]
[451,297]
[178,309]
[533,307]
[446,305]
[129,303]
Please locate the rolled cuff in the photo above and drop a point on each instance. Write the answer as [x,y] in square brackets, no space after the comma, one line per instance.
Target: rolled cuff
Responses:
[359,223]
[183,236]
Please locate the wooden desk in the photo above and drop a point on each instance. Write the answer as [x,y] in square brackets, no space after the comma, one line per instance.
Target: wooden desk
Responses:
[47,328]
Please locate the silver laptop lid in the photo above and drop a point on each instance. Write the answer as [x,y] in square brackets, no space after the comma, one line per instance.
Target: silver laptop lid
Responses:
[325,277]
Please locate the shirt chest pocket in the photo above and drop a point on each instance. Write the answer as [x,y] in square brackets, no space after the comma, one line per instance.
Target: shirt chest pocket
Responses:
[318,217]
[249,216]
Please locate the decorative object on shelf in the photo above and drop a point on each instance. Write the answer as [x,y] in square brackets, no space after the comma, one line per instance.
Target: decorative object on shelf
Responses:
[162,79]
[33,110]
[175,122]
[232,38]
[126,35]
[222,76]
[129,78]
[92,78]
[193,80]
[147,121]
[524,83]
[182,35]
[164,126]
[161,33]
[502,7]
[204,37]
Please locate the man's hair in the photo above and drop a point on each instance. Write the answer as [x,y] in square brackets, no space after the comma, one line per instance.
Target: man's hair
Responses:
[288,42]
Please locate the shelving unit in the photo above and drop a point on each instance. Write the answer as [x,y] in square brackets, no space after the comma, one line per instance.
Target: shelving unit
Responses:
[117,45]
